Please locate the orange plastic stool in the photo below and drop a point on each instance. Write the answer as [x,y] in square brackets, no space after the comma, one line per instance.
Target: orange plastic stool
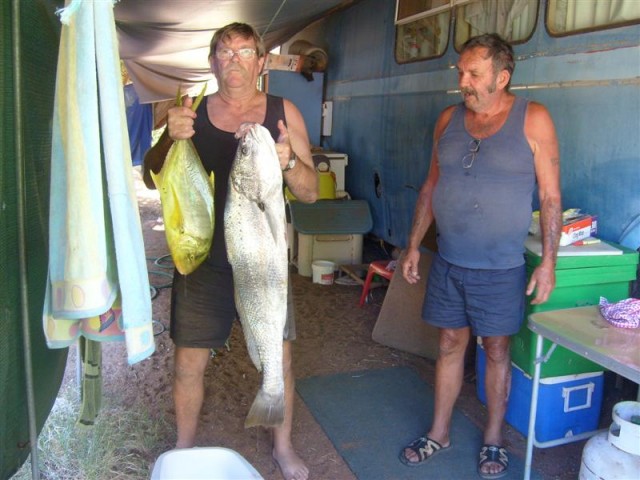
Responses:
[384,268]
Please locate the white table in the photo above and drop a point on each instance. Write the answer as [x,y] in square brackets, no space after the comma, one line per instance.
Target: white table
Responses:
[583,331]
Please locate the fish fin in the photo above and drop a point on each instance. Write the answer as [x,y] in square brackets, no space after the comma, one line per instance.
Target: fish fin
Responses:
[267,410]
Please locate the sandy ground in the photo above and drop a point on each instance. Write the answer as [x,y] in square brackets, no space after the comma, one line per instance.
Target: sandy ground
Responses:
[334,335]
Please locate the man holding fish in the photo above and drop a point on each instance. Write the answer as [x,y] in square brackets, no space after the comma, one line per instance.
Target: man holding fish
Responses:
[203,306]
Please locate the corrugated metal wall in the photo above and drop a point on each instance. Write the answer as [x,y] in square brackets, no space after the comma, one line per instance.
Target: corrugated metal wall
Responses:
[27,147]
[384,114]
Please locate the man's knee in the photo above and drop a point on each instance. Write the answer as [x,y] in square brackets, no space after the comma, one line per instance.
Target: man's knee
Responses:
[453,341]
[497,349]
[190,363]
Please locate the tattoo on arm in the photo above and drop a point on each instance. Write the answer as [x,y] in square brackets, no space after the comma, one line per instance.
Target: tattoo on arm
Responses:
[551,227]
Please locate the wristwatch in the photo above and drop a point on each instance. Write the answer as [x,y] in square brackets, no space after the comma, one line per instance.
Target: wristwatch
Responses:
[292,162]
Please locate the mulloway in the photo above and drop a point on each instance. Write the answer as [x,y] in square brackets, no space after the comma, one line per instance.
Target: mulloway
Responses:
[255,234]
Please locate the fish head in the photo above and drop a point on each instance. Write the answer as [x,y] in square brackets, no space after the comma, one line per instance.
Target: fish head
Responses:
[189,252]
[256,168]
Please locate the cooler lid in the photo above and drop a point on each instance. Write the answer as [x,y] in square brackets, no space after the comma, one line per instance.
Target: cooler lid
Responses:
[333,217]
[603,254]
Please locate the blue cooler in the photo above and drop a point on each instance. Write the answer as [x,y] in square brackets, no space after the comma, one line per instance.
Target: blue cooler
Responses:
[567,405]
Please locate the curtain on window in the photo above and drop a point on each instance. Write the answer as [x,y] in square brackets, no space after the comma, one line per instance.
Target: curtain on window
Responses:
[570,15]
[511,19]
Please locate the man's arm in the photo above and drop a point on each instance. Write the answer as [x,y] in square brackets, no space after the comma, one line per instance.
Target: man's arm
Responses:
[154,158]
[423,215]
[541,134]
[302,179]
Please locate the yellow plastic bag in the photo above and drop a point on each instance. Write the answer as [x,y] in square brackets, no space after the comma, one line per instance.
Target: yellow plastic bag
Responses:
[187,201]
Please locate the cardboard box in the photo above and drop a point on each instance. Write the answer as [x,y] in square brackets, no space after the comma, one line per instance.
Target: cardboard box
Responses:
[290,63]
[575,229]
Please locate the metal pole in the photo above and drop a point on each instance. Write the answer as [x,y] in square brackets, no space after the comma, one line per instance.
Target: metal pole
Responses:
[22,258]
[531,434]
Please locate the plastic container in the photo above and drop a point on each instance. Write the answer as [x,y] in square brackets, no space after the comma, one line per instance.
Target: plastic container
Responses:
[203,463]
[567,405]
[614,455]
[323,272]
[580,281]
[326,186]
[340,249]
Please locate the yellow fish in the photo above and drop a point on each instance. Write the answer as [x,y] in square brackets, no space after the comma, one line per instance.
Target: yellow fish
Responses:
[186,194]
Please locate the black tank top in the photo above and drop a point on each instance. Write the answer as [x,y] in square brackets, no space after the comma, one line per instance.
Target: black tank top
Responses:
[217,149]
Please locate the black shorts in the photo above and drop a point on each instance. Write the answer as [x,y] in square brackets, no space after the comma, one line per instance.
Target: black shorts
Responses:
[203,308]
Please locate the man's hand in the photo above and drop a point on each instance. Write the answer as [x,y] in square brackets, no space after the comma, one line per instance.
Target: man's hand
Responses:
[542,281]
[410,263]
[283,145]
[180,120]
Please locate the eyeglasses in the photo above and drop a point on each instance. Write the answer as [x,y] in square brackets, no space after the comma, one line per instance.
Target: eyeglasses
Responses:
[228,54]
[468,159]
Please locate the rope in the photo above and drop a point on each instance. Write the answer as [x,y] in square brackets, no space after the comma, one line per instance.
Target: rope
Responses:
[273,18]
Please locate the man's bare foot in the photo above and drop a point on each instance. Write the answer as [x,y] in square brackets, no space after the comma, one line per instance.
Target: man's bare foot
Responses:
[291,465]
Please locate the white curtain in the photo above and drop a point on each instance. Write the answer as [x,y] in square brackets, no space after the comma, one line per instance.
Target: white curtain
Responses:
[511,19]
[571,15]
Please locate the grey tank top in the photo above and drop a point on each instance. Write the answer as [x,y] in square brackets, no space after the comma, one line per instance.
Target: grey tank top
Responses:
[483,212]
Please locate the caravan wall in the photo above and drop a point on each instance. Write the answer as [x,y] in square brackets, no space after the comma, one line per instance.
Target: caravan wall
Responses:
[386,100]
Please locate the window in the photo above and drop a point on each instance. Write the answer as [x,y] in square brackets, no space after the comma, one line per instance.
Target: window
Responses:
[422,29]
[569,16]
[513,20]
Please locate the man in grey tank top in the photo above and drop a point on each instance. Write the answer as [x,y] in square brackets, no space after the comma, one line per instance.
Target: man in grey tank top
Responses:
[489,153]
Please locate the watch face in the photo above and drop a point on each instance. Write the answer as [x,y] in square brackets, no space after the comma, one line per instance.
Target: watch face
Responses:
[290,165]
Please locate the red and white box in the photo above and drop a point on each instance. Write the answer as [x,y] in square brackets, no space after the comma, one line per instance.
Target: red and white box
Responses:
[575,229]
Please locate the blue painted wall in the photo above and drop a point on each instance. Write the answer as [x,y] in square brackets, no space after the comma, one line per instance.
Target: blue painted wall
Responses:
[384,115]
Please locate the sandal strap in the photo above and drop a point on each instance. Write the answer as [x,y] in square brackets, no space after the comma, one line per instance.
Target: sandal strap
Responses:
[494,453]
[424,447]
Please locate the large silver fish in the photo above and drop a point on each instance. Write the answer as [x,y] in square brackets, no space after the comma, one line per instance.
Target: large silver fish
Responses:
[255,234]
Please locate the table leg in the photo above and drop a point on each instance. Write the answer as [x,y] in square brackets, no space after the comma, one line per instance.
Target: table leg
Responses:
[531,434]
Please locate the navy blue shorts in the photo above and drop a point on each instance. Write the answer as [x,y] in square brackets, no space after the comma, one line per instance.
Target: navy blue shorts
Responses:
[491,302]
[203,308]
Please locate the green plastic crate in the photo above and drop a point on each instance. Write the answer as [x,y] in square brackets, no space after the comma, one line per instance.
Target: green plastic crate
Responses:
[580,281]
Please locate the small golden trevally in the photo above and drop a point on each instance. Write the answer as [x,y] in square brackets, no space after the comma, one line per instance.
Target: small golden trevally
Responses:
[186,194]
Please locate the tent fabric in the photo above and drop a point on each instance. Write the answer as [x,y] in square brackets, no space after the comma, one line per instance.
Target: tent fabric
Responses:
[165,44]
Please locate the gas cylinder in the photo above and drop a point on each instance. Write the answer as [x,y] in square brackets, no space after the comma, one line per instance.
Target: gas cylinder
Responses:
[614,455]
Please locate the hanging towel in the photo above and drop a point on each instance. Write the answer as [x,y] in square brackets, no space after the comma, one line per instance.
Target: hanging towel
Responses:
[96,250]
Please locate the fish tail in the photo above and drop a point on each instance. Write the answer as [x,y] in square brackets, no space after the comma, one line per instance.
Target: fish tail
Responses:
[267,410]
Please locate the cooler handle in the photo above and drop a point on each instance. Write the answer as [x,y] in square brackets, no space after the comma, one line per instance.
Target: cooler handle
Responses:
[566,394]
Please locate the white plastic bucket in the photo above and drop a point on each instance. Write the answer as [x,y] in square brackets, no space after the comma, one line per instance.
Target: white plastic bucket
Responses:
[211,463]
[322,271]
